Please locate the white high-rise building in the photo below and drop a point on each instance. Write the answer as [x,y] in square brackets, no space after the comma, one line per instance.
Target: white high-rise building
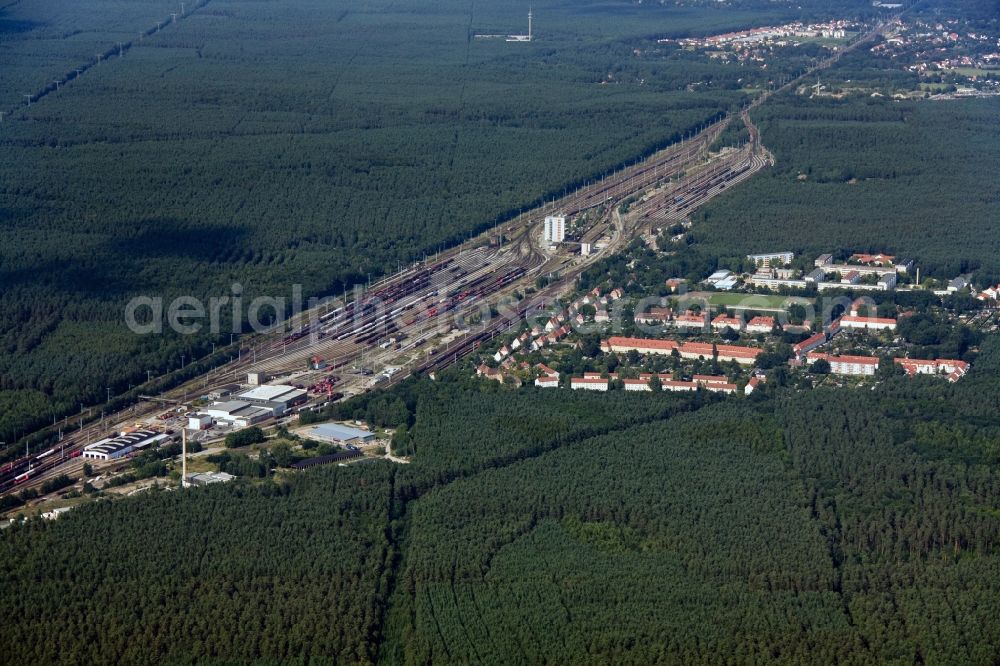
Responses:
[555,228]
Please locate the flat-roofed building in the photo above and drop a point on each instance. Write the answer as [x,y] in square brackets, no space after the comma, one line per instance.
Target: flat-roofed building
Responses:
[726,284]
[772,258]
[887,282]
[859,269]
[199,421]
[815,275]
[769,281]
[343,434]
[238,413]
[555,228]
[208,478]
[279,398]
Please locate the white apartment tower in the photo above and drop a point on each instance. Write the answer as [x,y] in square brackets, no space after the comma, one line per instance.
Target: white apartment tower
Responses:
[555,228]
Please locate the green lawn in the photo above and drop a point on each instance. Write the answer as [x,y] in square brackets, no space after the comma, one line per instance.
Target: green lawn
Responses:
[759,301]
[974,71]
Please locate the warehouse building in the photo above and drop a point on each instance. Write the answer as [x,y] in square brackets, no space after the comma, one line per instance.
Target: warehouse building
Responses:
[199,421]
[278,398]
[224,391]
[116,447]
[208,478]
[238,413]
[341,434]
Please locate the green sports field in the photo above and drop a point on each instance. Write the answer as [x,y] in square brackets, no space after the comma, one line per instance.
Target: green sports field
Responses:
[750,301]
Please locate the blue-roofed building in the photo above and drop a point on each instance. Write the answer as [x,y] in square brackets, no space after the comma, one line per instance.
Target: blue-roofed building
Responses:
[342,434]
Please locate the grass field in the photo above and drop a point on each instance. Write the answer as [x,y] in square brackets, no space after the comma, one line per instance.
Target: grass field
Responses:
[976,71]
[748,301]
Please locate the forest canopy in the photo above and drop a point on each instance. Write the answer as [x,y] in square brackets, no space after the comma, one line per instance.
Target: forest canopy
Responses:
[545,525]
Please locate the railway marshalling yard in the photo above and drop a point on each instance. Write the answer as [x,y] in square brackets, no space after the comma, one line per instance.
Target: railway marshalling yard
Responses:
[437,311]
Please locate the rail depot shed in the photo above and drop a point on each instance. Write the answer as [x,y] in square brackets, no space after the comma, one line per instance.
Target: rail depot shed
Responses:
[342,434]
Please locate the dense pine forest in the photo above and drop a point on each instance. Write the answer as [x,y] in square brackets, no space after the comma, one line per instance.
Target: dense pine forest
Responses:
[903,177]
[540,525]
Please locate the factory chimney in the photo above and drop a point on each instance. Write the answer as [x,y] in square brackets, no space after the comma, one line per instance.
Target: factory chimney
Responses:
[184,457]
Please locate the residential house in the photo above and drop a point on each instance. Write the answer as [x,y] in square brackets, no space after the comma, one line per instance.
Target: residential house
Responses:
[760,324]
[723,322]
[690,320]
[953,369]
[636,385]
[867,323]
[809,344]
[846,365]
[589,383]
[487,372]
[654,316]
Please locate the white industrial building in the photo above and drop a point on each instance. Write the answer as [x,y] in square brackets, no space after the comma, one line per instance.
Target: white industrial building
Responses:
[199,421]
[727,283]
[238,413]
[278,398]
[555,228]
[116,447]
[718,275]
[256,378]
[342,434]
